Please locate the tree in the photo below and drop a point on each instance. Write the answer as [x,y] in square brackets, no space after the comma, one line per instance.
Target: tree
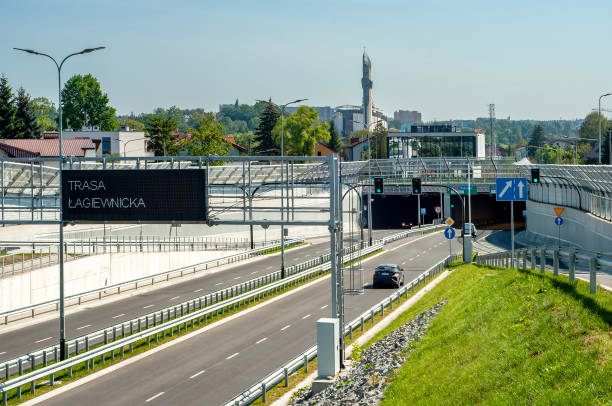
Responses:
[207,139]
[7,109]
[162,130]
[84,104]
[589,130]
[302,131]
[379,142]
[536,139]
[25,125]
[134,125]
[46,113]
[264,140]
[335,142]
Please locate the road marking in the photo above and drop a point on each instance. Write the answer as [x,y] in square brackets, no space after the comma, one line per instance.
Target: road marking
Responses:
[233,355]
[262,340]
[147,306]
[237,277]
[44,339]
[198,374]
[174,298]
[307,316]
[85,326]
[324,307]
[3,352]
[198,290]
[286,327]
[411,259]
[254,272]
[119,315]
[155,397]
[418,255]
[404,263]
[270,267]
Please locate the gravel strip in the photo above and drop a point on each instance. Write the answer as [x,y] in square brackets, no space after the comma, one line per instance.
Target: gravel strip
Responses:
[364,383]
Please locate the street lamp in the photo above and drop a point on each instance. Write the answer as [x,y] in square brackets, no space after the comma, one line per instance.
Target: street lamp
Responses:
[282,109]
[599,118]
[367,128]
[128,141]
[62,338]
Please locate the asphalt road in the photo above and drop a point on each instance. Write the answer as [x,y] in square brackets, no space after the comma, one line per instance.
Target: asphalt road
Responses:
[213,366]
[97,316]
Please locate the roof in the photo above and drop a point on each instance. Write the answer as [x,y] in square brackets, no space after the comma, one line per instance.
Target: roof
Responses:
[232,141]
[32,148]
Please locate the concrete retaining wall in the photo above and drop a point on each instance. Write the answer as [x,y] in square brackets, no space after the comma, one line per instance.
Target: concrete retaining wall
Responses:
[93,272]
[579,229]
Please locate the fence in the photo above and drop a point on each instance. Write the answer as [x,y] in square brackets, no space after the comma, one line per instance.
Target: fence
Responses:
[136,283]
[539,257]
[47,253]
[601,206]
[301,361]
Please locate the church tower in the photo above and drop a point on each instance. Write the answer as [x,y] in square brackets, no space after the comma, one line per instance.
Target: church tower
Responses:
[366,85]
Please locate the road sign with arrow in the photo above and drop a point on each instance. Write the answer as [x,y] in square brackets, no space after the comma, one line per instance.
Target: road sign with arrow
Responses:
[509,189]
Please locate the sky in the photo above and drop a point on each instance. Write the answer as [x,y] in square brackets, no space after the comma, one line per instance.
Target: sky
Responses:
[447,59]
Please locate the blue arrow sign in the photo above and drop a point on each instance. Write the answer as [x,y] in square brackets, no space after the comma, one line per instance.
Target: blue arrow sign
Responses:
[423,211]
[449,233]
[558,221]
[508,189]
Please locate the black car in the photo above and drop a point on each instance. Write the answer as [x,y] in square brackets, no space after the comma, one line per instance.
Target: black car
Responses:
[388,275]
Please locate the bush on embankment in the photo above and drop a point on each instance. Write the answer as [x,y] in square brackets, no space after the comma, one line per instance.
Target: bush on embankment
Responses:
[509,337]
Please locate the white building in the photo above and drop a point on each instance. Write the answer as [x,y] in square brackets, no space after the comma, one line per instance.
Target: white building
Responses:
[125,143]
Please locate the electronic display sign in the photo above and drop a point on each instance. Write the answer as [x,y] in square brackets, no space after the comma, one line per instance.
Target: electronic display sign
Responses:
[134,196]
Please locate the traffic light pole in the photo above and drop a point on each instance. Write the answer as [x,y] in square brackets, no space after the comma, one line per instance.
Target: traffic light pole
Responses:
[419,209]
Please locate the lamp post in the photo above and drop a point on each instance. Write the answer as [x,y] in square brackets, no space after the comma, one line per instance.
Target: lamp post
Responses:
[282,109]
[599,119]
[128,141]
[367,128]
[62,337]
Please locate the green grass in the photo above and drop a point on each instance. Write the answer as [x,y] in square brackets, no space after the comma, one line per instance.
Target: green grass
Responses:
[508,337]
[278,249]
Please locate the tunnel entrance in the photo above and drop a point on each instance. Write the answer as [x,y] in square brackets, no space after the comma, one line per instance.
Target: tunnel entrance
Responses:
[400,211]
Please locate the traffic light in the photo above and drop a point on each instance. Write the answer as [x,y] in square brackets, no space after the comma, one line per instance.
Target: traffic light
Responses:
[535,175]
[416,186]
[379,186]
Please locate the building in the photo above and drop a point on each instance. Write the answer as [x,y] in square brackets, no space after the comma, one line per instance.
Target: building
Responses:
[349,118]
[47,148]
[325,113]
[235,149]
[124,142]
[366,87]
[356,148]
[407,116]
[322,149]
[434,141]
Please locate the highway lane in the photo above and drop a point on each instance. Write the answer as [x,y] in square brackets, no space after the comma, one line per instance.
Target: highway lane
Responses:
[213,366]
[31,337]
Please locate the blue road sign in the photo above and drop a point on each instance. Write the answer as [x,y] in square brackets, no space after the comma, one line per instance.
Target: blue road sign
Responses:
[449,233]
[558,220]
[508,189]
[423,211]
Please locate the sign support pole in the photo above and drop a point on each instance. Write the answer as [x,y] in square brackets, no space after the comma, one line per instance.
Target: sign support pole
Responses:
[512,231]
[419,209]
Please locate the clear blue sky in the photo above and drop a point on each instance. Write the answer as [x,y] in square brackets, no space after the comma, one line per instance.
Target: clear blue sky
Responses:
[447,59]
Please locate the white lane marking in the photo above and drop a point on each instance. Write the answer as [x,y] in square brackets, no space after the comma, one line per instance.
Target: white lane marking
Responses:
[404,263]
[44,339]
[262,340]
[155,396]
[323,307]
[253,273]
[198,374]
[418,255]
[411,259]
[217,284]
[233,355]
[147,306]
[174,298]
[3,352]
[305,317]
[270,267]
[198,290]
[237,277]
[85,326]
[286,327]
[119,315]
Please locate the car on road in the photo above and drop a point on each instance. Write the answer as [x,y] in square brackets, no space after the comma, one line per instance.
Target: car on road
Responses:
[388,275]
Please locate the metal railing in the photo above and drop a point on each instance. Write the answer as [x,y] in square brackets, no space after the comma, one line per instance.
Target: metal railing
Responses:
[31,360]
[108,290]
[301,361]
[47,253]
[150,327]
[540,258]
[601,206]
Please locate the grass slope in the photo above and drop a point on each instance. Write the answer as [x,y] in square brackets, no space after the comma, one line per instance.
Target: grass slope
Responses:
[509,337]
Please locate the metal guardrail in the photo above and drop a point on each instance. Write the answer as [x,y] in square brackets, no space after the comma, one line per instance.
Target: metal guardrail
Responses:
[601,206]
[152,329]
[116,288]
[537,257]
[282,374]
[50,354]
[45,253]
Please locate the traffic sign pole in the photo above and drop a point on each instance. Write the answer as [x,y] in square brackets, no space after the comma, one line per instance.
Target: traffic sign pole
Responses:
[512,231]
[419,209]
